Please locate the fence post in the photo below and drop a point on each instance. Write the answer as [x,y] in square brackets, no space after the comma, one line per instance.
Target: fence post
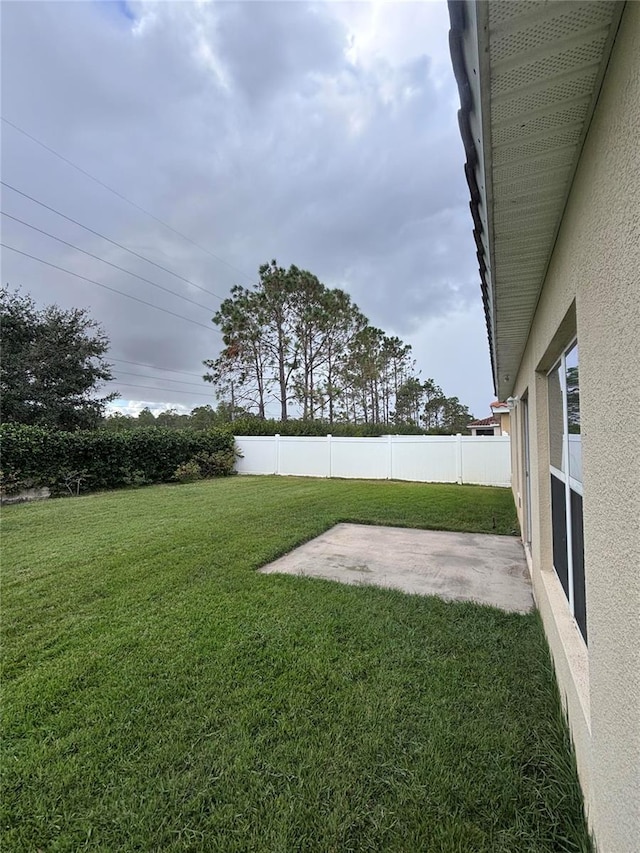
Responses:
[329,449]
[277,438]
[459,472]
[390,457]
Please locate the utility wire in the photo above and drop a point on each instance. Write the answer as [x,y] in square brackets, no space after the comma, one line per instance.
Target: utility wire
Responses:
[154,388]
[102,260]
[161,378]
[154,367]
[108,239]
[124,198]
[105,286]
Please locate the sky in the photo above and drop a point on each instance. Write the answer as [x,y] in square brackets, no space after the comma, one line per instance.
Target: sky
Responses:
[318,134]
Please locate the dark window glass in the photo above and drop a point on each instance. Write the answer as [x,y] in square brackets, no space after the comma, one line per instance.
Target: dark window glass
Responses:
[559,525]
[577,542]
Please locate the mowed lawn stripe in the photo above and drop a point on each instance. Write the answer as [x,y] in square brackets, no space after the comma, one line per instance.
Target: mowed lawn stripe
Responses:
[160,694]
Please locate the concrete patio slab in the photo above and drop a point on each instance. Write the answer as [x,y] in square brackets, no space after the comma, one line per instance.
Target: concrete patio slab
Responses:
[455,566]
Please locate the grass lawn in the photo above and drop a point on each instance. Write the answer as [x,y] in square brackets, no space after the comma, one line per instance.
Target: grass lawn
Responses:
[161,695]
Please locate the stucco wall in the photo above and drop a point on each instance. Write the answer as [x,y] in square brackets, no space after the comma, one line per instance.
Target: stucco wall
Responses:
[593,287]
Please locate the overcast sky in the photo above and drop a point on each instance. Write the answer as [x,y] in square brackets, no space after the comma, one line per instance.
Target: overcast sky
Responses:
[321,134]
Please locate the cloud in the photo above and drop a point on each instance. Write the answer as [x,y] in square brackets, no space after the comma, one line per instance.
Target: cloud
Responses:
[321,134]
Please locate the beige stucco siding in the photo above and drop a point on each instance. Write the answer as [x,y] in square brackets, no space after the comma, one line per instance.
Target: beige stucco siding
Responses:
[592,287]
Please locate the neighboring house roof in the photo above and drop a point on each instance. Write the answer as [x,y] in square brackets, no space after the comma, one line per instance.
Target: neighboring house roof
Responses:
[485,422]
[529,75]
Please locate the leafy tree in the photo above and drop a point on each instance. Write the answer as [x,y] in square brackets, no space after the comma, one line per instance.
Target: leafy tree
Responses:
[52,365]
[454,416]
[203,417]
[409,401]
[224,414]
[433,397]
[172,419]
[360,376]
[240,373]
[282,340]
[396,364]
[326,323]
[118,422]
[146,417]
[292,340]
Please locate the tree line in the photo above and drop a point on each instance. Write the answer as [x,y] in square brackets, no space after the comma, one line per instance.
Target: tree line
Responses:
[293,342]
[290,342]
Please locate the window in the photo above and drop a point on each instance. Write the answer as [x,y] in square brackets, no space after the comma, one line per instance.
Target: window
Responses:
[526,466]
[565,468]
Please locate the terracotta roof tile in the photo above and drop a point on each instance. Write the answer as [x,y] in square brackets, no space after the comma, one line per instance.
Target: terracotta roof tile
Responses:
[484,422]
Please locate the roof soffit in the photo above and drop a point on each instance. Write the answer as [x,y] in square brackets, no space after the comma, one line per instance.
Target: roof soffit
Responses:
[529,74]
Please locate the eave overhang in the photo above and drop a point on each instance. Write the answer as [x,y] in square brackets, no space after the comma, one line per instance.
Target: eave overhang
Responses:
[529,75]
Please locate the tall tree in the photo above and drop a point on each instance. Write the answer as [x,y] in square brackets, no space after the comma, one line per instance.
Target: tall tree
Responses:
[409,401]
[360,376]
[291,339]
[52,365]
[241,373]
[312,328]
[325,324]
[276,293]
[396,364]
[454,416]
[433,397]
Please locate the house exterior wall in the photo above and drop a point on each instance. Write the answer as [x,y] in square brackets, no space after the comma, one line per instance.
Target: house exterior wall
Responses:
[485,430]
[592,289]
[505,423]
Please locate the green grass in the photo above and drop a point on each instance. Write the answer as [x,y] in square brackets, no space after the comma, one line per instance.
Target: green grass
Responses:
[160,694]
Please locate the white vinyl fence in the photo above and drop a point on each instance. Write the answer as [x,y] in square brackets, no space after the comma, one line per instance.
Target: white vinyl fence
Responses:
[485,460]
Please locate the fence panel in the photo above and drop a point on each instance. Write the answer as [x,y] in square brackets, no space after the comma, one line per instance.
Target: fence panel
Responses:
[304,456]
[425,458]
[258,454]
[485,460]
[486,463]
[362,458]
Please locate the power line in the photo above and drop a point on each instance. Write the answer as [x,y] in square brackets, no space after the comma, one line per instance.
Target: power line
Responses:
[154,388]
[145,376]
[105,286]
[102,260]
[108,239]
[124,198]
[154,367]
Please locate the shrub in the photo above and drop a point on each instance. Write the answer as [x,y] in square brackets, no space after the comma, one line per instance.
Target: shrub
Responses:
[35,456]
[256,426]
[188,472]
[11,483]
[220,463]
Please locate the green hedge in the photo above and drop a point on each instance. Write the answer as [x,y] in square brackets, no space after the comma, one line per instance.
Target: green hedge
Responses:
[34,456]
[256,426]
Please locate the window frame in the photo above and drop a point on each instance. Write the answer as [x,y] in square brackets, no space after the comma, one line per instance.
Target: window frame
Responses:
[570,483]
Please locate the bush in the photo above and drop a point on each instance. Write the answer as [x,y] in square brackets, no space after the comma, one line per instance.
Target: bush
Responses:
[220,463]
[256,426]
[11,483]
[188,472]
[35,456]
